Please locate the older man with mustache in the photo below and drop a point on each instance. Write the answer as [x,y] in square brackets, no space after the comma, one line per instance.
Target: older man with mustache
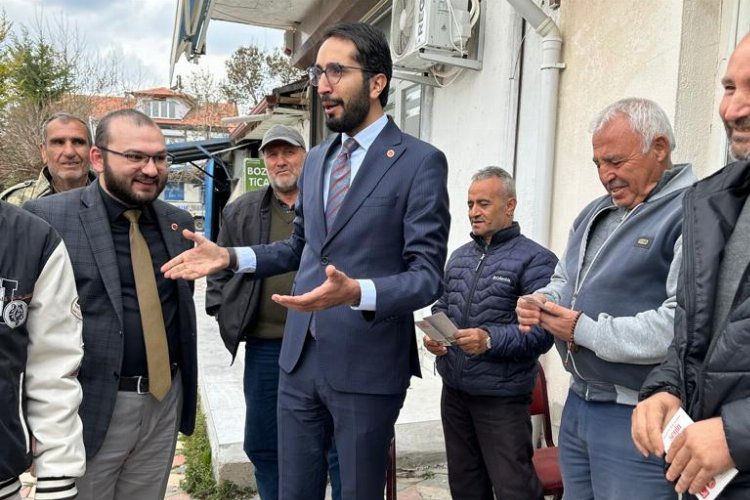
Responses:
[611,301]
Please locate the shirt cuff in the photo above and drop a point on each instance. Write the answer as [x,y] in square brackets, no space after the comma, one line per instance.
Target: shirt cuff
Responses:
[585,332]
[246,260]
[368,296]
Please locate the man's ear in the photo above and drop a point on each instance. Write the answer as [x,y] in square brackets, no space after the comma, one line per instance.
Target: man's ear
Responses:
[660,147]
[377,85]
[96,158]
[43,153]
[510,207]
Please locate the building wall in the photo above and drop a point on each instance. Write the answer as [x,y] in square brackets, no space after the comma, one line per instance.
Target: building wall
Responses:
[473,119]
[668,51]
[671,51]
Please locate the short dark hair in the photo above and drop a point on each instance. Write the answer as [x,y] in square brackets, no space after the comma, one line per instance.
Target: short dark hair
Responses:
[101,138]
[65,118]
[373,52]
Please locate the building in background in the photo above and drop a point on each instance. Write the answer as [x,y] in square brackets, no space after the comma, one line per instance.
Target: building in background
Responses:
[181,118]
[522,100]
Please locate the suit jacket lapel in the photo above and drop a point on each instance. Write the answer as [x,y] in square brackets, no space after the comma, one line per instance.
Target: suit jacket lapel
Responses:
[171,231]
[95,222]
[381,156]
[317,169]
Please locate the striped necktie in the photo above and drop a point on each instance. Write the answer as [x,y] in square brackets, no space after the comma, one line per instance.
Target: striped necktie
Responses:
[341,174]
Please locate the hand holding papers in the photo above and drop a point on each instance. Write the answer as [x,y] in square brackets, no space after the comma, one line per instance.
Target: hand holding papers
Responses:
[677,425]
[439,328]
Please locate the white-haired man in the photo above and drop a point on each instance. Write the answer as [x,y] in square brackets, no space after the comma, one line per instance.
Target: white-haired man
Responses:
[611,302]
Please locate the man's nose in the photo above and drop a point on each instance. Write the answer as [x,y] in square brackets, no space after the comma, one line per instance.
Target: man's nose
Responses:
[68,149]
[150,167]
[738,106]
[324,86]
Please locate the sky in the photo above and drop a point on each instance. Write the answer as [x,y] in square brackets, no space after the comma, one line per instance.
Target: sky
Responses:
[140,33]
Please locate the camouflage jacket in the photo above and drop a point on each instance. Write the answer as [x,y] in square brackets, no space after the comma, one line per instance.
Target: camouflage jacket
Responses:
[33,189]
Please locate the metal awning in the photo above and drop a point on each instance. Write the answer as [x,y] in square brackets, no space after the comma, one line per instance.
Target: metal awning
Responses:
[184,152]
[193,16]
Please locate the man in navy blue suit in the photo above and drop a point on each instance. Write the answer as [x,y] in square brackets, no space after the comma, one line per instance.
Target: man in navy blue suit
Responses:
[369,244]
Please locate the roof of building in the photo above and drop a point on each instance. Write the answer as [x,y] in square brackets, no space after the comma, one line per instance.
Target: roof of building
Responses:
[209,114]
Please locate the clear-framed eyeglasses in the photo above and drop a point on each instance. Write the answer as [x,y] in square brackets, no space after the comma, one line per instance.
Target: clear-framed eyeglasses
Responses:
[333,72]
[141,159]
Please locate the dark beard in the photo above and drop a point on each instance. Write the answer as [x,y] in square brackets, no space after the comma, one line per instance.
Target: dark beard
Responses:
[355,111]
[120,188]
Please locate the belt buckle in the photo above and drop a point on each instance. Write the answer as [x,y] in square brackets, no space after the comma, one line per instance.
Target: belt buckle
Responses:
[138,386]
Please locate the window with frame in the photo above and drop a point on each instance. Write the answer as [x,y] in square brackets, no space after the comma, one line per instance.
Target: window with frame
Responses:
[162,109]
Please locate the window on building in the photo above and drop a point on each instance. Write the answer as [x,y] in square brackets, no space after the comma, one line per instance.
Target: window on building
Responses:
[162,109]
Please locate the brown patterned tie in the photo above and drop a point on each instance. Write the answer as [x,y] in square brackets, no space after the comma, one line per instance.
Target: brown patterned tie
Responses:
[152,318]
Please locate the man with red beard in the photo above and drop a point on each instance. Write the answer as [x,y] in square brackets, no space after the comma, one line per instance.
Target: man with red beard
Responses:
[139,366]
[369,245]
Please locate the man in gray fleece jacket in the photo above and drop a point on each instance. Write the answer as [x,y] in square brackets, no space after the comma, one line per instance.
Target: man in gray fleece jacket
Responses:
[611,301]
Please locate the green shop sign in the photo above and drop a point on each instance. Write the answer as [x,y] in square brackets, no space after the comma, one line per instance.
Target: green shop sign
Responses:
[255,174]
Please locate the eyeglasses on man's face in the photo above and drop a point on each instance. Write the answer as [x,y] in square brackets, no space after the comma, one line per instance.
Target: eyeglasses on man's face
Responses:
[141,159]
[333,72]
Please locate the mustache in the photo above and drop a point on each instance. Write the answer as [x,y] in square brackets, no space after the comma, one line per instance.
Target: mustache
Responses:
[331,100]
[741,124]
[616,184]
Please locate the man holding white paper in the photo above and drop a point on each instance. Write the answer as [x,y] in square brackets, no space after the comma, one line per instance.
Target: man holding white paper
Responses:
[490,370]
[610,303]
[707,370]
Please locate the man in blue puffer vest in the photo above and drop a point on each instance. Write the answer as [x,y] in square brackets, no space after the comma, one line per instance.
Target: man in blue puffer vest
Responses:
[489,374]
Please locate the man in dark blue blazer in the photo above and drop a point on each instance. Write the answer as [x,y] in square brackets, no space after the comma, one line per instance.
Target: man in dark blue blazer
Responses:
[129,429]
[370,250]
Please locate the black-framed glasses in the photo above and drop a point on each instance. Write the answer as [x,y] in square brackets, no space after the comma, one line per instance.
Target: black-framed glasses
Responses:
[141,159]
[333,72]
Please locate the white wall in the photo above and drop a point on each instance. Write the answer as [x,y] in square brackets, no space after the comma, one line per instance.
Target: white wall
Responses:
[473,120]
[667,51]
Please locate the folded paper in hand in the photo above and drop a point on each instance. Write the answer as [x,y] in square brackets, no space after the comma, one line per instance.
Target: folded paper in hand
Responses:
[676,425]
[439,327]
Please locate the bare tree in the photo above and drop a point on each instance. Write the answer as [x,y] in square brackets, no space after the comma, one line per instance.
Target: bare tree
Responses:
[45,68]
[253,73]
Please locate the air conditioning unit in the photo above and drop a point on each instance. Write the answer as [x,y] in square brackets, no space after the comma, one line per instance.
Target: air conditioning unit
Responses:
[425,27]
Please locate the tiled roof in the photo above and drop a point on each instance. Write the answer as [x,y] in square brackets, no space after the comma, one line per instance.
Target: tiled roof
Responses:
[198,116]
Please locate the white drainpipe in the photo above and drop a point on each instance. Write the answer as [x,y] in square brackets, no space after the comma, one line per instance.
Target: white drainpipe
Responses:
[542,171]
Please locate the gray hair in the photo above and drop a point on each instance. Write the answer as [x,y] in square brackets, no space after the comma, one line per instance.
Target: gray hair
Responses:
[509,185]
[65,118]
[139,119]
[646,118]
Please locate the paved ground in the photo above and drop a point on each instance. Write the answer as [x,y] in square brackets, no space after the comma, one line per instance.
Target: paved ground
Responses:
[421,475]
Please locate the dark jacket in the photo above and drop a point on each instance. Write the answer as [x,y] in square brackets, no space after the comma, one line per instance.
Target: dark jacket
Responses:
[482,285]
[233,297]
[712,375]
[81,219]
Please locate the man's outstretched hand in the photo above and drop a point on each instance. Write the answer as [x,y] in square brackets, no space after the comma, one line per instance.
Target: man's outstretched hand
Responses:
[337,289]
[205,258]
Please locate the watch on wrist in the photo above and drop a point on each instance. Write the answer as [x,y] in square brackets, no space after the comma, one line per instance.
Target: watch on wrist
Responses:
[232,258]
[489,342]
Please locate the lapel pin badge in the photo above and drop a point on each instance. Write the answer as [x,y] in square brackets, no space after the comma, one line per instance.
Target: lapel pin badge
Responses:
[174,226]
[390,153]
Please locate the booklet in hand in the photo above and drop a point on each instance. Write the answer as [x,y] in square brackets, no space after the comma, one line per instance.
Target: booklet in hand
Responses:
[439,327]
[676,425]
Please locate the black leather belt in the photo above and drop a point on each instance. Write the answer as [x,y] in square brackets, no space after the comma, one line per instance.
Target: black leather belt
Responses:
[140,384]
